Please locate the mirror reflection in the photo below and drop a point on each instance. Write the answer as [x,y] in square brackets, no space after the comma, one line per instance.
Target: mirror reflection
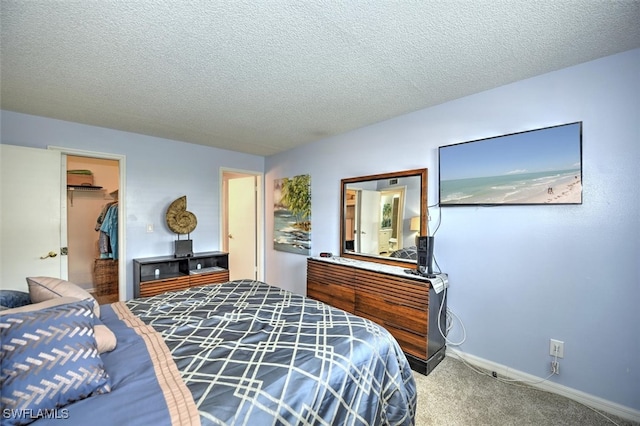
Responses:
[382,215]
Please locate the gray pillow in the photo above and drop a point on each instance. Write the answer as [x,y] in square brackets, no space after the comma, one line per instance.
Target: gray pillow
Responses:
[14,298]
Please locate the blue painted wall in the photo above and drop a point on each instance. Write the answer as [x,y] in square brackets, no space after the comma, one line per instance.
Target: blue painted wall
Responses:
[158,172]
[519,275]
[524,274]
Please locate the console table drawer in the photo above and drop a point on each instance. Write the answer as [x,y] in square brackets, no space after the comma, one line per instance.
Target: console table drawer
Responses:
[211,278]
[151,288]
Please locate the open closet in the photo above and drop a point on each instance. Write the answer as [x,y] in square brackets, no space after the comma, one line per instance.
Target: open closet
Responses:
[92,225]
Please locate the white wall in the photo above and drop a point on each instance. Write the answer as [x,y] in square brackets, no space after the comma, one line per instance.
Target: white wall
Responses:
[158,171]
[519,275]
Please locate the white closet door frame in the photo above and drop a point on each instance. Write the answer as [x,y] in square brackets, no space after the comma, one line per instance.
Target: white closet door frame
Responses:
[122,206]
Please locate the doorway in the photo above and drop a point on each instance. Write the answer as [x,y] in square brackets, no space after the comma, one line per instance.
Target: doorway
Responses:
[242,227]
[95,268]
[92,223]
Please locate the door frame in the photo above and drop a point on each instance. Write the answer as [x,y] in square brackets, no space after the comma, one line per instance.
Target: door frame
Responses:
[224,213]
[122,207]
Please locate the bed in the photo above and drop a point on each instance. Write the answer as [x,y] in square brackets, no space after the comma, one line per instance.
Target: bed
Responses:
[409,253]
[238,353]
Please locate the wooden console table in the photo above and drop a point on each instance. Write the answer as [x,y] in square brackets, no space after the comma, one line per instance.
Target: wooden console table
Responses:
[155,275]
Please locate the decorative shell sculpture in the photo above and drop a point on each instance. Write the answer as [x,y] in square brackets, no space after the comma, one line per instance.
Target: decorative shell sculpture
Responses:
[179,219]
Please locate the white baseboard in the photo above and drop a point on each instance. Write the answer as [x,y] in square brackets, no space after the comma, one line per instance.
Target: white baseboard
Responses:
[596,402]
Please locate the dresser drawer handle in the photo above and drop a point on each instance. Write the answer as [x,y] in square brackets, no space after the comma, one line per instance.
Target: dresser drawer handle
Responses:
[390,324]
[399,304]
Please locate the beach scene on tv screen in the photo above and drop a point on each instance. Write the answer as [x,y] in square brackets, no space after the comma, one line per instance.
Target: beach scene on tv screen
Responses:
[541,166]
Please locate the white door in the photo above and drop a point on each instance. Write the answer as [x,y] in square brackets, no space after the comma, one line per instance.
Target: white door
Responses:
[369,221]
[242,222]
[30,212]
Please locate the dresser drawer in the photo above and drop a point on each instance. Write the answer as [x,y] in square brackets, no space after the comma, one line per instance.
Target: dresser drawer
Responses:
[411,343]
[404,292]
[393,301]
[335,295]
[333,285]
[391,312]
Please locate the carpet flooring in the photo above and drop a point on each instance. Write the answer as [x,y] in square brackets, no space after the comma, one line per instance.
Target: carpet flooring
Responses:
[455,395]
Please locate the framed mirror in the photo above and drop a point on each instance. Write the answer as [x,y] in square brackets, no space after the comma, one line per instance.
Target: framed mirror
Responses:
[382,214]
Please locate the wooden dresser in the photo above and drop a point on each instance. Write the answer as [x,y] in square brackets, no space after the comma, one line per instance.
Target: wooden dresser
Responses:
[155,275]
[403,303]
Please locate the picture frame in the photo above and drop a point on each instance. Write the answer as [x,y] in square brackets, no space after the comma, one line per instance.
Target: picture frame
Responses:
[292,214]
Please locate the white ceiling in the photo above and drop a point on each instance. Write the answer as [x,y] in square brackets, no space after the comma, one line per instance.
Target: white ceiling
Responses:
[262,76]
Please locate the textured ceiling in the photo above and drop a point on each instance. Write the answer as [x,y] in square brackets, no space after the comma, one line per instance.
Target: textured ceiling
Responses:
[264,76]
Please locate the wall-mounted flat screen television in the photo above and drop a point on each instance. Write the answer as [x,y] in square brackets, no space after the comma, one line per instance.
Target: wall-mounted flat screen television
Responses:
[541,166]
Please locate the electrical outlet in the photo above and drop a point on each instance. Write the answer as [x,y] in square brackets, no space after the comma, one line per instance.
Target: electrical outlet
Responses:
[556,348]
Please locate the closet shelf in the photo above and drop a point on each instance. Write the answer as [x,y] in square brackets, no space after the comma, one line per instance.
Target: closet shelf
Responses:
[81,188]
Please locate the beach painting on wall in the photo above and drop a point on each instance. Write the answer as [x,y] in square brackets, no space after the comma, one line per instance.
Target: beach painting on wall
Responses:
[292,214]
[542,166]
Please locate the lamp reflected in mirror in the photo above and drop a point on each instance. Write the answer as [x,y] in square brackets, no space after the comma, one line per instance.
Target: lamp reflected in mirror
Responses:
[415,224]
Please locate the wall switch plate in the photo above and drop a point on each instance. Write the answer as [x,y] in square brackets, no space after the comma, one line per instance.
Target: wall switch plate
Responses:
[149,227]
[556,344]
